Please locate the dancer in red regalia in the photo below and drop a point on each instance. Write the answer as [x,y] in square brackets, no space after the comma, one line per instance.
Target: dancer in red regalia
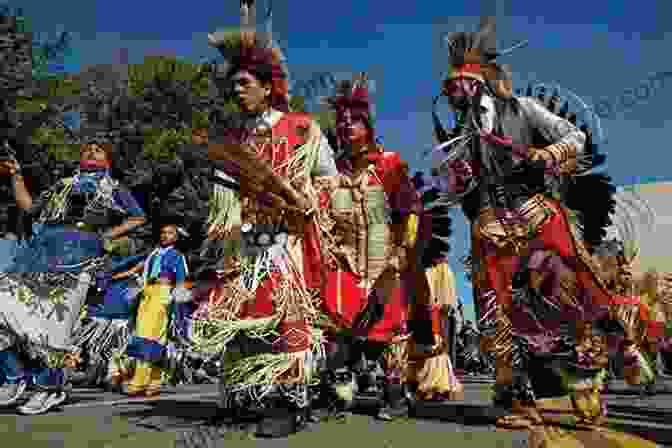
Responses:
[516,168]
[272,270]
[370,253]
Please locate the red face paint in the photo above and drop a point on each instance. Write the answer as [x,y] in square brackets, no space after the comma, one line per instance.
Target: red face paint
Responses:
[462,87]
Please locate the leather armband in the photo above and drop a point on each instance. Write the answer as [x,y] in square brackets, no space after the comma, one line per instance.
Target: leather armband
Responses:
[561,152]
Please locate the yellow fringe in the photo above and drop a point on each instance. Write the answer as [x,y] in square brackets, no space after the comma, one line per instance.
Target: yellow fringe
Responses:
[435,376]
[411,235]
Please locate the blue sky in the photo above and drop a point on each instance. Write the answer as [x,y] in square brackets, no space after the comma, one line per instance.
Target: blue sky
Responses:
[594,49]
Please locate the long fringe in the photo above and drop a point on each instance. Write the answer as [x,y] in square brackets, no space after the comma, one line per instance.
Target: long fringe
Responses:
[101,338]
[436,377]
[213,335]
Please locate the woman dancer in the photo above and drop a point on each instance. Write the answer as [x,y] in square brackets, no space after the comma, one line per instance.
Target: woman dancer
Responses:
[80,218]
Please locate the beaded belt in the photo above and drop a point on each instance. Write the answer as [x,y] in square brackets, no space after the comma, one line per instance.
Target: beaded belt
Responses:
[521,224]
[158,281]
[80,226]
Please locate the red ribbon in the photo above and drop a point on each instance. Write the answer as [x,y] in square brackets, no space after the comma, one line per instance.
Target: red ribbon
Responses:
[466,68]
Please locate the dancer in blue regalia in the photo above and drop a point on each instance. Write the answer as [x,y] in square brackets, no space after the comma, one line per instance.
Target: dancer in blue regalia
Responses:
[80,222]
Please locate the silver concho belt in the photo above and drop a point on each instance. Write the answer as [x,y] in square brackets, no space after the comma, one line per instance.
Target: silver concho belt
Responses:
[256,238]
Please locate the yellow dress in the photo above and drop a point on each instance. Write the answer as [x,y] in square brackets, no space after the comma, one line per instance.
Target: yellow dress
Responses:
[164,270]
[152,323]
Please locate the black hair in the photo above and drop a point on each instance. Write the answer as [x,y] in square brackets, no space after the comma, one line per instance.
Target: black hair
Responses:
[262,72]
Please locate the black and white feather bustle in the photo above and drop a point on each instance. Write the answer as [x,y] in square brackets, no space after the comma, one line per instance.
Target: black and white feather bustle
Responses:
[437,218]
[590,192]
[593,210]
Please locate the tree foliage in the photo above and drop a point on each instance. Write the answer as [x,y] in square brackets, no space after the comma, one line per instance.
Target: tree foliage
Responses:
[326,118]
[177,94]
[58,143]
[162,144]
[157,70]
[33,98]
[149,110]
[56,90]
[297,103]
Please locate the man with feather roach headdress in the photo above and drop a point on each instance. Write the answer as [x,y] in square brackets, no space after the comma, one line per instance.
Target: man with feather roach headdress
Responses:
[507,163]
[370,213]
[263,309]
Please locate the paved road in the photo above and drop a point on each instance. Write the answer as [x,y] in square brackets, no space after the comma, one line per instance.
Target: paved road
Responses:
[191,412]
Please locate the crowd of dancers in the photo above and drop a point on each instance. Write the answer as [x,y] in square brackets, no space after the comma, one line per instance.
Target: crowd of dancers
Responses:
[332,279]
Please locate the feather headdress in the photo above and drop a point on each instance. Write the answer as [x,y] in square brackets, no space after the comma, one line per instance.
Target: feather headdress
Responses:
[471,53]
[248,50]
[353,95]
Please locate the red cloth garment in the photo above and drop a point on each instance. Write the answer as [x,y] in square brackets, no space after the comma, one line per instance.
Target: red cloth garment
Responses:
[343,298]
[437,319]
[388,169]
[291,127]
[626,300]
[655,329]
[553,235]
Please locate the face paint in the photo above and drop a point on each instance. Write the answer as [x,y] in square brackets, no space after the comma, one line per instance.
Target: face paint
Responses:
[352,127]
[462,87]
[460,92]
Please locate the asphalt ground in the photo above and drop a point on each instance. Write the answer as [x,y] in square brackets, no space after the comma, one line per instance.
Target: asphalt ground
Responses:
[188,417]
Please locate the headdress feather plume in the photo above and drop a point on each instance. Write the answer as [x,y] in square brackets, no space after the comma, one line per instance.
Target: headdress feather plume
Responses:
[247,49]
[479,46]
[237,44]
[352,93]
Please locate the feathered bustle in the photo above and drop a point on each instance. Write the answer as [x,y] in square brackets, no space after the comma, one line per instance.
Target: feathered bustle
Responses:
[594,209]
[440,223]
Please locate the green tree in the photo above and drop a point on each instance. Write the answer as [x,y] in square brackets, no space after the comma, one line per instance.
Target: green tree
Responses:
[170,70]
[162,144]
[179,93]
[42,96]
[297,104]
[58,143]
[326,118]
[59,91]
